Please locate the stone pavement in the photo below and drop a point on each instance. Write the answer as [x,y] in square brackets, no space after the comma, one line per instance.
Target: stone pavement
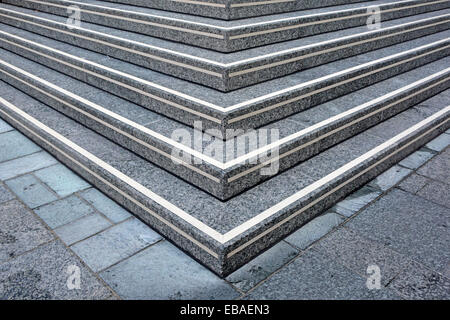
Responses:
[55,227]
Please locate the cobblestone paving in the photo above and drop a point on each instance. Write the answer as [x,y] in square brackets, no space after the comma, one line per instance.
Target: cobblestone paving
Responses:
[56,226]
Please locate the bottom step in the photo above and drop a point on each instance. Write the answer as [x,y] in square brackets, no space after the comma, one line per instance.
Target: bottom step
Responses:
[225,235]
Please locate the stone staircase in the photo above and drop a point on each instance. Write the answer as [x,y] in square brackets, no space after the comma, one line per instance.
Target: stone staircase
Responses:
[221,126]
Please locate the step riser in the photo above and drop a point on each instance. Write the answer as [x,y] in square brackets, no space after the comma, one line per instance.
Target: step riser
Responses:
[150,98]
[230,10]
[226,78]
[229,40]
[242,251]
[214,180]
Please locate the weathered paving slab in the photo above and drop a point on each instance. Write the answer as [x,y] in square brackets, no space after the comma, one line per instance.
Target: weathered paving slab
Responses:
[314,275]
[42,274]
[32,192]
[61,180]
[157,272]
[63,211]
[423,238]
[20,230]
[115,244]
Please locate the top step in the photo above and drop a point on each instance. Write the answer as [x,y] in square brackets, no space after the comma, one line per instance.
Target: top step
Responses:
[234,9]
[231,36]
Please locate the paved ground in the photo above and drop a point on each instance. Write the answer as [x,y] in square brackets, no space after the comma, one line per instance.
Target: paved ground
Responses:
[55,229]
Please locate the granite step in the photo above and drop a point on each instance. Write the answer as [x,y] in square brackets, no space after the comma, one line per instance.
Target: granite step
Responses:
[230,71]
[229,36]
[225,235]
[224,168]
[234,9]
[247,108]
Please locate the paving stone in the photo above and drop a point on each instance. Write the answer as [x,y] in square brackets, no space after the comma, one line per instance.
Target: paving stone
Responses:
[63,211]
[43,274]
[82,228]
[418,282]
[165,272]
[414,183]
[354,202]
[437,192]
[13,168]
[440,143]
[416,159]
[62,180]
[115,244]
[31,191]
[314,230]
[437,168]
[262,266]
[4,127]
[5,195]
[390,178]
[409,225]
[358,253]
[13,145]
[105,205]
[314,275]
[20,230]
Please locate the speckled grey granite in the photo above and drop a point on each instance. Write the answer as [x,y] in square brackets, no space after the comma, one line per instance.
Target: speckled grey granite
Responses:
[220,185]
[357,252]
[223,216]
[42,274]
[425,238]
[20,230]
[231,71]
[419,282]
[235,35]
[234,9]
[262,266]
[155,273]
[187,102]
[317,276]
